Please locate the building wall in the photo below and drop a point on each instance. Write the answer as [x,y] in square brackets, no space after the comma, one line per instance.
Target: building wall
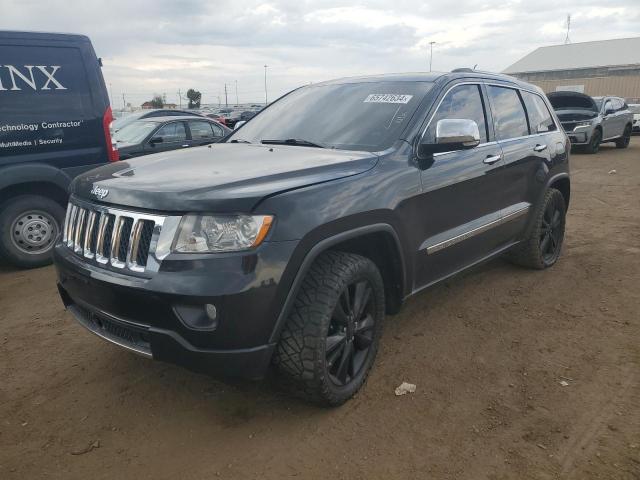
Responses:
[623,82]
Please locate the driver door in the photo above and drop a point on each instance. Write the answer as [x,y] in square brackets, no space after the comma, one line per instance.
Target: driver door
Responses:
[462,193]
[173,136]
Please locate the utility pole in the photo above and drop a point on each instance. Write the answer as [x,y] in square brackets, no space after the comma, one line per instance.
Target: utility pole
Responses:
[124,103]
[226,99]
[431,55]
[237,102]
[180,98]
[566,39]
[266,99]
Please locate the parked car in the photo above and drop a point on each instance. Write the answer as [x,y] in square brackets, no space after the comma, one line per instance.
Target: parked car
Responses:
[591,121]
[54,124]
[287,244]
[217,117]
[635,109]
[161,134]
[150,113]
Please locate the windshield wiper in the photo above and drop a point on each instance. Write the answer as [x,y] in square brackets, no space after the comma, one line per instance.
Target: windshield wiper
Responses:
[294,141]
[239,140]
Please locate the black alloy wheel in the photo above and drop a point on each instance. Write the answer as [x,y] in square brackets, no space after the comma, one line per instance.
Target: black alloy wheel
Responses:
[350,332]
[551,231]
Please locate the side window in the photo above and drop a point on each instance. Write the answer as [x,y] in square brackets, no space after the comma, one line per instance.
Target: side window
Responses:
[217,130]
[200,130]
[172,132]
[540,119]
[508,113]
[463,102]
[619,103]
[609,105]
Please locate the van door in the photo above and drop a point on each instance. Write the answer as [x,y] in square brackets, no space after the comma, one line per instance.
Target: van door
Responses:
[461,198]
[51,105]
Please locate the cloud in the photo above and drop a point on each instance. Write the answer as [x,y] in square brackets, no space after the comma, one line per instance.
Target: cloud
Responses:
[164,46]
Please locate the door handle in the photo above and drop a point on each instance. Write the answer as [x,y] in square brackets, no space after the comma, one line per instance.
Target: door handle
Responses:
[490,160]
[540,148]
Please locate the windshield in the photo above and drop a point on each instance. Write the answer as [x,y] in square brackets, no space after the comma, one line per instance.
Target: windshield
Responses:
[127,119]
[135,132]
[598,101]
[353,116]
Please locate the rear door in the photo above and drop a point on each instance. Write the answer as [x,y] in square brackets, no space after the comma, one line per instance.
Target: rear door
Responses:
[52,103]
[202,132]
[523,153]
[461,200]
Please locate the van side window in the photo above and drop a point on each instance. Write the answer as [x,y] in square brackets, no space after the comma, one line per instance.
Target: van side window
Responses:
[508,113]
[462,102]
[540,119]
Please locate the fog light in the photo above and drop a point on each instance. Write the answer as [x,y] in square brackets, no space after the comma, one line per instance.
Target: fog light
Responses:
[198,317]
[211,310]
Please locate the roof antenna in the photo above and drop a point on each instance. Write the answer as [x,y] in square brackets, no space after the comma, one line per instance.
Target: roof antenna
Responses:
[475,66]
[567,39]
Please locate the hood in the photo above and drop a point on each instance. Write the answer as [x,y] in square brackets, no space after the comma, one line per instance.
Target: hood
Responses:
[217,178]
[568,115]
[561,101]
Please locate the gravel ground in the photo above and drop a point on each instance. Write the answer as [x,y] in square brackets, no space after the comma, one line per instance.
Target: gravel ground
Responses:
[520,374]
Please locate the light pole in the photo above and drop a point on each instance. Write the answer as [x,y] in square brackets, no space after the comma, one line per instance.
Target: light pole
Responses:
[237,101]
[431,55]
[266,100]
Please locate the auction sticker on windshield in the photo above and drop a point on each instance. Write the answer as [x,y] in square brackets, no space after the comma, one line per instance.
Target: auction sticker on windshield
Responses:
[387,98]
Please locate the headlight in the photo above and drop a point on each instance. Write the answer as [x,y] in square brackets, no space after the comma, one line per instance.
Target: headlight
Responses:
[221,233]
[583,124]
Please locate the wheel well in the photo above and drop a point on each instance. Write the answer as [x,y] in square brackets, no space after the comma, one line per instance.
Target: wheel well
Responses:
[45,189]
[381,249]
[564,185]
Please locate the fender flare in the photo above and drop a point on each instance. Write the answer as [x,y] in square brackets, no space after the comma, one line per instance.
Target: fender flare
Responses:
[33,172]
[321,247]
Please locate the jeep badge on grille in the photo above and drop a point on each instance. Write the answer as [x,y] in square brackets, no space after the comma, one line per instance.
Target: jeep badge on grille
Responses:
[99,192]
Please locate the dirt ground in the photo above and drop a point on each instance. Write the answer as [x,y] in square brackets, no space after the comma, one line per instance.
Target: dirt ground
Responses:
[489,352]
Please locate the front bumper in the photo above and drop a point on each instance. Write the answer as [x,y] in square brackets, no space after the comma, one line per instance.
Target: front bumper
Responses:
[579,137]
[158,316]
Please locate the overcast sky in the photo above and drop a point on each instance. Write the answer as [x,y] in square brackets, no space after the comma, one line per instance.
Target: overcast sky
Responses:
[150,46]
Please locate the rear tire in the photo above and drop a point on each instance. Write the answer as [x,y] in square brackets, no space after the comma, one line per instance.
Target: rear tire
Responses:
[623,142]
[331,337]
[541,249]
[594,143]
[29,228]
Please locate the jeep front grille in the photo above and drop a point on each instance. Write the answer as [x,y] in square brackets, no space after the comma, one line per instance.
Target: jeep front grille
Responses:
[112,237]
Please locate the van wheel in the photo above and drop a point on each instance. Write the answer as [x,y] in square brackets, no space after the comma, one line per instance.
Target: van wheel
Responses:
[542,248]
[594,144]
[331,337]
[29,228]
[623,142]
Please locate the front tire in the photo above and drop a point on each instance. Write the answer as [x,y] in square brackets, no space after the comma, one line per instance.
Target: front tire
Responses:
[594,143]
[331,337]
[623,142]
[29,228]
[541,249]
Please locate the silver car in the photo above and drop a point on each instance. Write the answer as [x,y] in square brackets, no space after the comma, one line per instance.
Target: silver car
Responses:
[590,121]
[635,109]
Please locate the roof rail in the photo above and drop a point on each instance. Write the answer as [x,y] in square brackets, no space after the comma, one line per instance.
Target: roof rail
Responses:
[465,69]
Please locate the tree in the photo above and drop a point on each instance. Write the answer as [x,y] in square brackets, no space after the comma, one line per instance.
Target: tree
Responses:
[157,101]
[194,97]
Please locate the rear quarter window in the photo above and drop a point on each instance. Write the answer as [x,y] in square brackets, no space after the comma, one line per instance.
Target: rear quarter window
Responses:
[45,100]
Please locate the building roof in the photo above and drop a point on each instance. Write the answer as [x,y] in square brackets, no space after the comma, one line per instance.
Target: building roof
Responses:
[603,53]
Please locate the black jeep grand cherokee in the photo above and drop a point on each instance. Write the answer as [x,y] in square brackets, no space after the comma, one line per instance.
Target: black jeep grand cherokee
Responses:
[288,243]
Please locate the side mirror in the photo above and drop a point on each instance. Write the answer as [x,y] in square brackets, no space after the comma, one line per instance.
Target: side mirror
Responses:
[239,124]
[155,140]
[609,111]
[452,134]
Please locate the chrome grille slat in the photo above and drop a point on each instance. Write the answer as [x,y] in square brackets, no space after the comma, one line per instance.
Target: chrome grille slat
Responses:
[117,239]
